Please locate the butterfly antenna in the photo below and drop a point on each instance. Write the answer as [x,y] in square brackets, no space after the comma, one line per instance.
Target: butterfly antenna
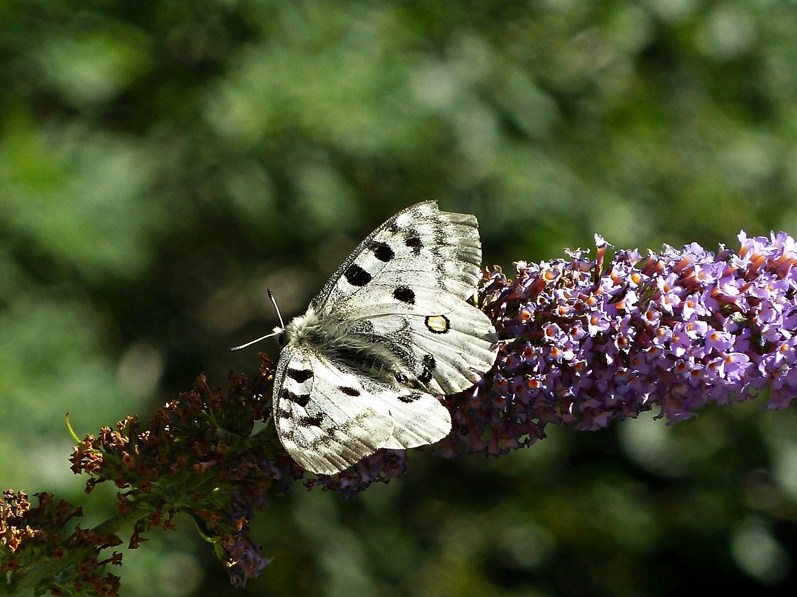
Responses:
[276,332]
[276,307]
[255,341]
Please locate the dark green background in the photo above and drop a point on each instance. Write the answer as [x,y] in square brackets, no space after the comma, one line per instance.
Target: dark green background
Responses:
[162,163]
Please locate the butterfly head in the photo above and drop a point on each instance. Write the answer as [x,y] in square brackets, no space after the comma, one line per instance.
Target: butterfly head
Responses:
[300,329]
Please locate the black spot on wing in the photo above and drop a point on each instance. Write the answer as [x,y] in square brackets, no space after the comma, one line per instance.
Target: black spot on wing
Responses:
[429,364]
[299,375]
[382,251]
[404,294]
[414,242]
[300,399]
[349,391]
[356,276]
[312,421]
[408,398]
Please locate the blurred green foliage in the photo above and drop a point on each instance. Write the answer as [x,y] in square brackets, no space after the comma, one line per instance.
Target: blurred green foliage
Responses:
[163,162]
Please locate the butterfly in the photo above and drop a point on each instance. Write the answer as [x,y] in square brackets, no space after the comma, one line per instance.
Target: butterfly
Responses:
[389,332]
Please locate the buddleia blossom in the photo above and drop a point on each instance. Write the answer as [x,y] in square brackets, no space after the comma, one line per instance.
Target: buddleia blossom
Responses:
[198,457]
[589,340]
[38,553]
[376,468]
[586,341]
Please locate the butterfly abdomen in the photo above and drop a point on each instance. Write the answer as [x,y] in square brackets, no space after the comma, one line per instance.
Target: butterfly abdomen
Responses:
[372,358]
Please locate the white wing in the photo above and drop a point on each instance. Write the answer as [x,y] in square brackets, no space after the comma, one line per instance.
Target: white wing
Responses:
[401,297]
[329,417]
[421,247]
[443,344]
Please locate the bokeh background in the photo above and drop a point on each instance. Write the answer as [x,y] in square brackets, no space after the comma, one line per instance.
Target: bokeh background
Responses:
[162,163]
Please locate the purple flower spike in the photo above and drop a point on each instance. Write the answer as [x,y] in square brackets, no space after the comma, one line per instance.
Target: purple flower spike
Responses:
[587,342]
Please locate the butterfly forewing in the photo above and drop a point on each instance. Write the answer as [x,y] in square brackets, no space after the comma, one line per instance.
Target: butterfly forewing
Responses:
[420,247]
[388,331]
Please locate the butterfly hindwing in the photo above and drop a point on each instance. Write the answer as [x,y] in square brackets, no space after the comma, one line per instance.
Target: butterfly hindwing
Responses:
[441,341]
[329,418]
[324,417]
[418,418]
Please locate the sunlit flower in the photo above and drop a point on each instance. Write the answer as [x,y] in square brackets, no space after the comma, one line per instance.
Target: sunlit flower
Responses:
[672,331]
